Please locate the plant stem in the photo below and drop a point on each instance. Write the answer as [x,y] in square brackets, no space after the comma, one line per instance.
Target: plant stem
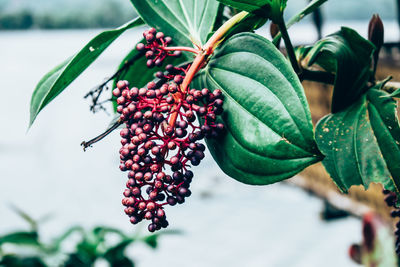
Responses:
[181,48]
[317,76]
[289,46]
[311,7]
[203,54]
[209,47]
[219,34]
[101,136]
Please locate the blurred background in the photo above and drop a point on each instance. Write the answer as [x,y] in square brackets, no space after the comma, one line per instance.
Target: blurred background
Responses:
[45,173]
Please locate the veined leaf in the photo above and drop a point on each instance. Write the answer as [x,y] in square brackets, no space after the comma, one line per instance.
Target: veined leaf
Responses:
[186,21]
[269,135]
[349,56]
[361,143]
[54,82]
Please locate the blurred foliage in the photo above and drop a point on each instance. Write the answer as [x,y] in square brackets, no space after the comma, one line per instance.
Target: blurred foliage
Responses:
[68,14]
[377,248]
[108,14]
[26,249]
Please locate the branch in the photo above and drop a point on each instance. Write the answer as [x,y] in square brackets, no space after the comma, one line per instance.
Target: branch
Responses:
[289,46]
[317,76]
[101,136]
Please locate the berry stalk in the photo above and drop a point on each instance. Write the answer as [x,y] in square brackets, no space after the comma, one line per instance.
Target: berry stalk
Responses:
[160,132]
[209,47]
[207,50]
[151,146]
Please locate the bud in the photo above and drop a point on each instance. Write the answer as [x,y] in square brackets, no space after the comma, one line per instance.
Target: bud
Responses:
[369,231]
[376,31]
[355,253]
[273,29]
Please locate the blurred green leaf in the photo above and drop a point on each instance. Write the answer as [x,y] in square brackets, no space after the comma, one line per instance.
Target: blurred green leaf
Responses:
[103,230]
[56,243]
[75,260]
[152,240]
[32,222]
[54,82]
[21,238]
[348,55]
[17,261]
[249,24]
[258,7]
[116,255]
[271,9]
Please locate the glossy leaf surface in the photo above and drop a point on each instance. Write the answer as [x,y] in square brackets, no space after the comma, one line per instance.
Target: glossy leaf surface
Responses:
[186,21]
[54,82]
[269,136]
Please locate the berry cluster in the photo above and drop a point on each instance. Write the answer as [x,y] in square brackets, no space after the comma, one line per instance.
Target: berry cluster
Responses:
[156,47]
[391,199]
[160,140]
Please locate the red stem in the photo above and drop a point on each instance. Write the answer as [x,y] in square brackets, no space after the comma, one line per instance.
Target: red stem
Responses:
[181,48]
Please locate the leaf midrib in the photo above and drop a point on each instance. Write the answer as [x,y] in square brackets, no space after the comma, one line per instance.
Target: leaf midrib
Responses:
[279,100]
[282,75]
[255,152]
[183,34]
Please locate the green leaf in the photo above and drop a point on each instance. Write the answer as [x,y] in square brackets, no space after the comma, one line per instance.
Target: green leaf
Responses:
[54,82]
[56,243]
[21,238]
[269,135]
[249,24]
[260,7]
[32,222]
[272,9]
[185,21]
[361,143]
[18,261]
[116,254]
[152,240]
[136,71]
[349,56]
[395,93]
